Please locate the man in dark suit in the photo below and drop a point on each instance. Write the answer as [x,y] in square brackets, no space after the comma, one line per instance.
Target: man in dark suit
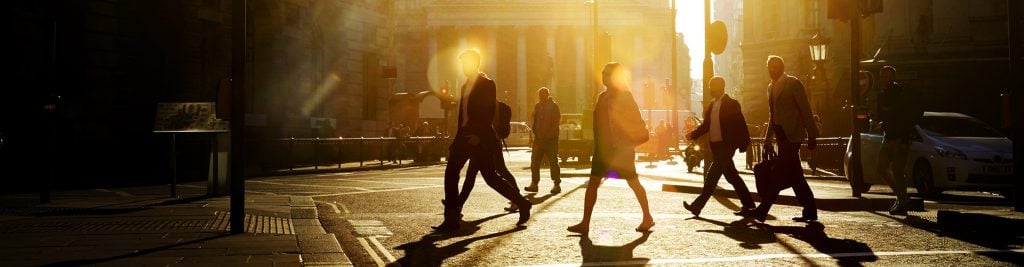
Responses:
[727,129]
[475,140]
[790,122]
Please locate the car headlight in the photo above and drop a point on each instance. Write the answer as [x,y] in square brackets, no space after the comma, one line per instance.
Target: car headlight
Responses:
[949,152]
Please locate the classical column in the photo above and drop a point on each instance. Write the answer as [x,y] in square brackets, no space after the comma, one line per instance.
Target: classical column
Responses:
[492,54]
[581,101]
[459,77]
[549,32]
[521,70]
[432,58]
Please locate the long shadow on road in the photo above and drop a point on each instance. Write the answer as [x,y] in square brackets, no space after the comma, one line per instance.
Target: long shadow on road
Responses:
[613,255]
[426,252]
[984,230]
[749,238]
[847,252]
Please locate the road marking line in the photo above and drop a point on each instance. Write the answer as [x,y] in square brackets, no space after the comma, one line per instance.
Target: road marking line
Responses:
[384,251]
[366,246]
[372,181]
[786,256]
[377,191]
[116,192]
[311,185]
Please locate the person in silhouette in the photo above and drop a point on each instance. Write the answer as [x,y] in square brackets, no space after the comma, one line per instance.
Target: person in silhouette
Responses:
[475,140]
[899,113]
[727,130]
[546,116]
[790,122]
[618,129]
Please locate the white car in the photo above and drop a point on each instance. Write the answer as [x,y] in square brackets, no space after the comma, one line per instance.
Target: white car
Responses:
[949,151]
[521,135]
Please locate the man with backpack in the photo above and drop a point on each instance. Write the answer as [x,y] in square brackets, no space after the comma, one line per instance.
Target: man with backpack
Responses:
[503,126]
[545,140]
[475,140]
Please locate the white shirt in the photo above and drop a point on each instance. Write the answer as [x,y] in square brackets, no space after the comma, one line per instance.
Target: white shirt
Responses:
[716,121]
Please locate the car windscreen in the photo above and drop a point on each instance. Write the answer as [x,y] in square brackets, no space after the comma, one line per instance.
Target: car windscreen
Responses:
[957,127]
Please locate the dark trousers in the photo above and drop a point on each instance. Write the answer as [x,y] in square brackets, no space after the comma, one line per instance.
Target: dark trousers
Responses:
[545,150]
[484,159]
[787,168]
[722,164]
[503,173]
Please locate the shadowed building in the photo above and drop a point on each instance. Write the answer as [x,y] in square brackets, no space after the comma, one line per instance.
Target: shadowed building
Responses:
[113,61]
[954,51]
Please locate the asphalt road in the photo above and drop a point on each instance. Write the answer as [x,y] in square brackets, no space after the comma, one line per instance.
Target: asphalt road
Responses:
[384,217]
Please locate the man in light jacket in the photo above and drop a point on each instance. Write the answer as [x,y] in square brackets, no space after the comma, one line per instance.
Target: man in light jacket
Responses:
[546,116]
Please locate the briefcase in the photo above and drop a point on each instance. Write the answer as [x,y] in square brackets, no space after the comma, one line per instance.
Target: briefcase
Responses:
[765,181]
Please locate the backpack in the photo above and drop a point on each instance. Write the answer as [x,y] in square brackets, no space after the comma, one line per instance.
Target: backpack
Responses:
[503,120]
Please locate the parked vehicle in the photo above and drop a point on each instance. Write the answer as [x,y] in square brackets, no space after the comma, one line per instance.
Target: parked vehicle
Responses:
[949,151]
[692,156]
[521,135]
[576,137]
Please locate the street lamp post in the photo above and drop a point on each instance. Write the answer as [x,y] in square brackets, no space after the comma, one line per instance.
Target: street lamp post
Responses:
[673,87]
[820,53]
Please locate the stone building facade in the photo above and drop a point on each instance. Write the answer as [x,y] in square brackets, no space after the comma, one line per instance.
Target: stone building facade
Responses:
[527,44]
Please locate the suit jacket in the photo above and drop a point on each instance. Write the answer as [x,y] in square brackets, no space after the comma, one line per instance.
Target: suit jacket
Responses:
[482,101]
[734,125]
[791,110]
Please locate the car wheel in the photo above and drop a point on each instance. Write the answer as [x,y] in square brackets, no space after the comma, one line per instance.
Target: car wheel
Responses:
[923,180]
[854,176]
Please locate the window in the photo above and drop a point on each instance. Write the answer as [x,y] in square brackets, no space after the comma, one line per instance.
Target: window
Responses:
[813,19]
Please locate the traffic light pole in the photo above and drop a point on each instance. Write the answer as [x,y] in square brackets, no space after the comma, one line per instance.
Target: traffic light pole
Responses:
[854,9]
[238,66]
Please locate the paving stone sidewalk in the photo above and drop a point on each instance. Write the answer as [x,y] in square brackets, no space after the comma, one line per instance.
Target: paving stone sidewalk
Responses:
[143,226]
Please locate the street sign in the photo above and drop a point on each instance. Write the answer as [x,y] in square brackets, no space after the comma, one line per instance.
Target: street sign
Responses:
[187,117]
[718,37]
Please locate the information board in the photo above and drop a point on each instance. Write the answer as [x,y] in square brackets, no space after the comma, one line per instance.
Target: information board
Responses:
[188,117]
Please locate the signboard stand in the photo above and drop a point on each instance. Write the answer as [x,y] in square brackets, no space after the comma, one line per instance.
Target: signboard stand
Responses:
[190,118]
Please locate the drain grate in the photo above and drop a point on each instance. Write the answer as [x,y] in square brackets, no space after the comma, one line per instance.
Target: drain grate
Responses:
[117,226]
[218,222]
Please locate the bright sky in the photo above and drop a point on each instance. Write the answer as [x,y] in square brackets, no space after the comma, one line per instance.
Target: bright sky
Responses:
[690,21]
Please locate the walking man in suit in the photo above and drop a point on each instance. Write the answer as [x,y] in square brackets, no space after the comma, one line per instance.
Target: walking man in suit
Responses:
[790,122]
[727,129]
[475,140]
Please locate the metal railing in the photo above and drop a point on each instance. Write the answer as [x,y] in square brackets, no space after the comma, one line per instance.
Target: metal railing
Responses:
[320,153]
[827,156]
